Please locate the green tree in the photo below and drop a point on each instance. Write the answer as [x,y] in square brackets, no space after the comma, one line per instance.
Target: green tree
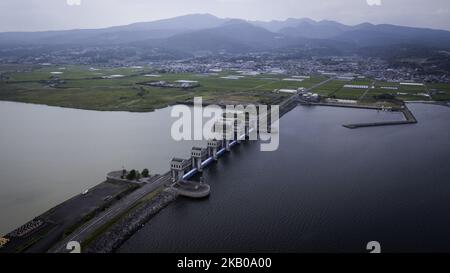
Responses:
[145,173]
[131,175]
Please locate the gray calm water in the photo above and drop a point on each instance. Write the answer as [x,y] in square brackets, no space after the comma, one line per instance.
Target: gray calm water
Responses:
[327,189]
[49,154]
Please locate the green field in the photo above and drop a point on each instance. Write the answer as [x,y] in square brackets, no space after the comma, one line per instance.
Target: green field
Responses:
[336,89]
[350,93]
[403,92]
[330,88]
[85,88]
[442,91]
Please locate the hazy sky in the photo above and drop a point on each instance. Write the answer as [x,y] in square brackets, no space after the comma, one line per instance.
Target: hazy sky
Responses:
[30,15]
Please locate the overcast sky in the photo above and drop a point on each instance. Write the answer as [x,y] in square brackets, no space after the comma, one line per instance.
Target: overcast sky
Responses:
[31,15]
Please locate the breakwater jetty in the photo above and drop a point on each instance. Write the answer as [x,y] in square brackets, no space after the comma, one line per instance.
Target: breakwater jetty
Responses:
[409,117]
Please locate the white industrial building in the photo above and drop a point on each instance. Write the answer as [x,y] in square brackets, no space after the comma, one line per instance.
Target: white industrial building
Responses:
[290,91]
[353,86]
[411,84]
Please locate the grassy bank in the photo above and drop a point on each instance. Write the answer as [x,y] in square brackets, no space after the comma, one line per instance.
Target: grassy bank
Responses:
[87,88]
[91,88]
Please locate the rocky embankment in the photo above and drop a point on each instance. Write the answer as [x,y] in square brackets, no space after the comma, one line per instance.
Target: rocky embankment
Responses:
[120,231]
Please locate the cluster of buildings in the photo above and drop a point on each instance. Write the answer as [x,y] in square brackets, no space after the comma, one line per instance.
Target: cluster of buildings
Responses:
[304,94]
[346,67]
[185,84]
[309,96]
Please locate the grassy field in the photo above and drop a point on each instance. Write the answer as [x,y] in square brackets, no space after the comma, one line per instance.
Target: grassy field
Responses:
[336,89]
[442,91]
[403,92]
[350,93]
[330,88]
[84,87]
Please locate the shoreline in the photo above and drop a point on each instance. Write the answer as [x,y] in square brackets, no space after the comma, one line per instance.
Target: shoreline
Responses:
[119,232]
[83,109]
[189,103]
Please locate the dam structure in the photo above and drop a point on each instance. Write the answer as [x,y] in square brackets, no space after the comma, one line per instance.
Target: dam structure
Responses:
[176,182]
[128,207]
[233,131]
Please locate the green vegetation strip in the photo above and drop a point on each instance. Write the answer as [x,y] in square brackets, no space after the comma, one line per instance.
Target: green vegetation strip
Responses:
[116,219]
[82,87]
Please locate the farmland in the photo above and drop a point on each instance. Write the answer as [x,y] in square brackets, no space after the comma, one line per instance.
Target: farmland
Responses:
[125,89]
[122,89]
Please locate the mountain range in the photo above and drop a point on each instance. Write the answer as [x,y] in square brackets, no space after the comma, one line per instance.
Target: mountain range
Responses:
[194,33]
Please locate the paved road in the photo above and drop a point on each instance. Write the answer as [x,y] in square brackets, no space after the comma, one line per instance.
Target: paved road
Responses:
[320,84]
[83,232]
[367,91]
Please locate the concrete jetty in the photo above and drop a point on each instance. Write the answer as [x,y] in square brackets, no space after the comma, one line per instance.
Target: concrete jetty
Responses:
[409,119]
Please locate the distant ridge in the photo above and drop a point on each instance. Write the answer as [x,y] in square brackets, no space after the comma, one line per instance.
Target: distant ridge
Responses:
[205,32]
